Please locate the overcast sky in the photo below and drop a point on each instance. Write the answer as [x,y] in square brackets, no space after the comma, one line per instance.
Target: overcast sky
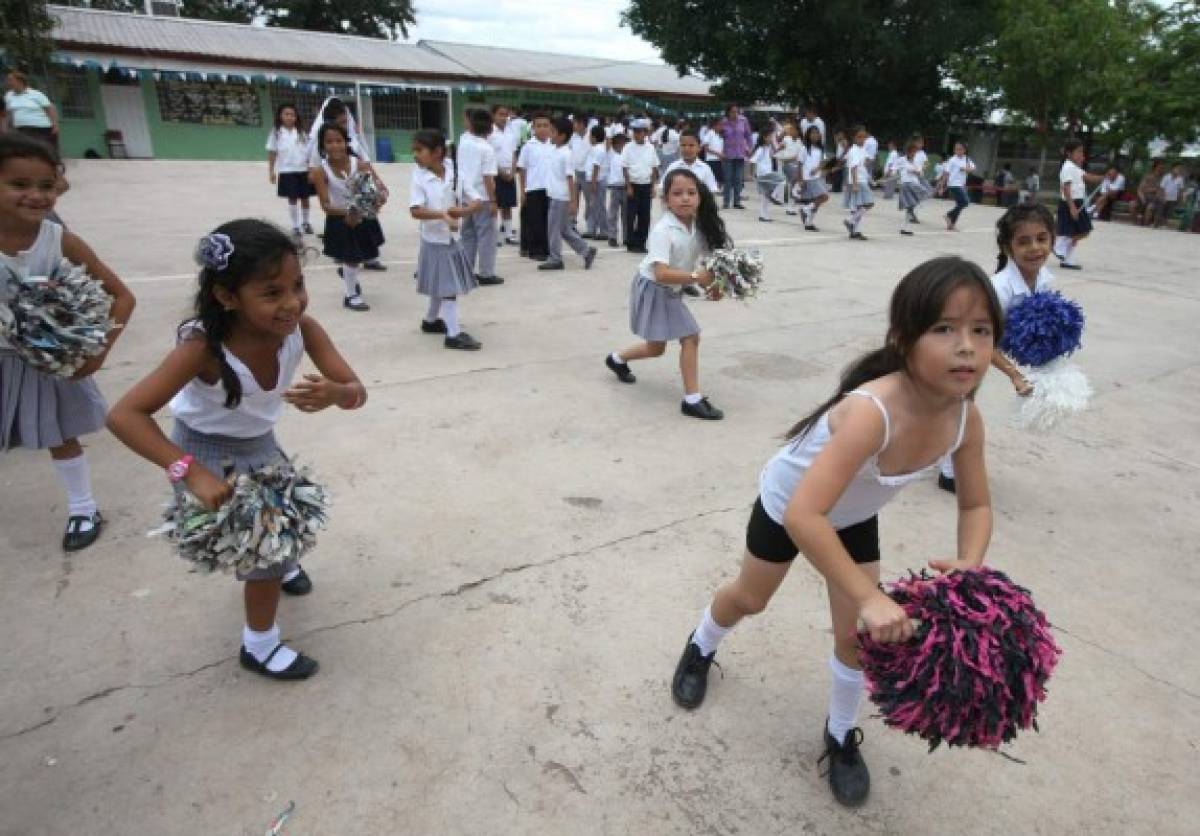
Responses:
[574,27]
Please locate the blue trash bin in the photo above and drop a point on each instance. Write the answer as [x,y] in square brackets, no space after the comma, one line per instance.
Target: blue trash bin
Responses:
[383,150]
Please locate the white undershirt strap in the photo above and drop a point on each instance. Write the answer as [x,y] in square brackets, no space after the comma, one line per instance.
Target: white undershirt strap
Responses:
[887,421]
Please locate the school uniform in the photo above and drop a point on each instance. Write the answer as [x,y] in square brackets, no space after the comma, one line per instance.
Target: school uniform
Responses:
[668,147]
[291,163]
[956,169]
[535,160]
[559,227]
[1010,285]
[891,174]
[242,439]
[765,175]
[37,409]
[912,189]
[1170,188]
[343,243]
[442,267]
[870,148]
[817,122]
[580,146]
[477,160]
[1081,225]
[618,207]
[639,162]
[506,184]
[812,174]
[788,156]
[596,189]
[698,167]
[714,147]
[656,311]
[860,195]
[1111,190]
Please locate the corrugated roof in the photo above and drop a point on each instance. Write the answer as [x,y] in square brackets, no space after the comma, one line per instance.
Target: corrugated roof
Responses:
[505,64]
[212,40]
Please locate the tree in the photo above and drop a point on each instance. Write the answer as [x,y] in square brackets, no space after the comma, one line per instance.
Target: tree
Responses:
[25,28]
[878,61]
[1162,100]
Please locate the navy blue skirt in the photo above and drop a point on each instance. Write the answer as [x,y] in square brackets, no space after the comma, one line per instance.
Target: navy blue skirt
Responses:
[355,245]
[1073,227]
[294,184]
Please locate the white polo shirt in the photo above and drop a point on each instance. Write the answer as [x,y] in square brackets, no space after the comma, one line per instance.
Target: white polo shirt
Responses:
[698,167]
[1073,174]
[616,169]
[1010,284]
[505,149]
[597,156]
[579,145]
[856,161]
[670,142]
[1113,186]
[810,162]
[559,170]
[956,171]
[871,147]
[673,244]
[291,150]
[429,191]
[476,160]
[640,161]
[535,160]
[1171,186]
[714,146]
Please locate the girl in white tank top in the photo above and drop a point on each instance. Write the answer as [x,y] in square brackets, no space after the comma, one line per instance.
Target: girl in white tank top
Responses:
[898,410]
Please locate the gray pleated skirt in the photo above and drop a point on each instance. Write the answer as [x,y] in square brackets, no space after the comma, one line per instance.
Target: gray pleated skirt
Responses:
[39,410]
[812,189]
[912,194]
[443,271]
[657,313]
[768,183]
[860,196]
[225,455]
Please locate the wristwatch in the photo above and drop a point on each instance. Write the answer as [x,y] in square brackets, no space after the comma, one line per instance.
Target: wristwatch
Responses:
[178,470]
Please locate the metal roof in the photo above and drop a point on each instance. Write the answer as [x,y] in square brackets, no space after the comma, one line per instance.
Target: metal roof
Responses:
[150,38]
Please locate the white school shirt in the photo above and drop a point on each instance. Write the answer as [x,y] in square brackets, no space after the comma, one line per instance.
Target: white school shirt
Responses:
[871,147]
[435,193]
[956,171]
[673,244]
[656,138]
[807,123]
[580,145]
[476,160]
[597,156]
[640,161]
[761,159]
[1010,284]
[714,146]
[670,142]
[291,150]
[557,187]
[910,172]
[790,150]
[504,148]
[616,169]
[201,406]
[1073,174]
[810,162]
[1113,186]
[920,159]
[698,167]
[515,128]
[893,162]
[1171,186]
[535,158]
[868,491]
[41,259]
[856,161]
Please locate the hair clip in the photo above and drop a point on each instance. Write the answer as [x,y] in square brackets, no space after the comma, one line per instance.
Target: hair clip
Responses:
[214,251]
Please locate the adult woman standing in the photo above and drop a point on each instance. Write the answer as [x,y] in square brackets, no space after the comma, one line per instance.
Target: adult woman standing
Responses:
[735,131]
[29,111]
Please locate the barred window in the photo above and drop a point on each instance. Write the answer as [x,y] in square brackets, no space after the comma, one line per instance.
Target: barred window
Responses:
[307,102]
[396,110]
[209,102]
[70,86]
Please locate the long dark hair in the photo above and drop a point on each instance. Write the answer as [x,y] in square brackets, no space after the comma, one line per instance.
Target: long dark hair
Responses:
[808,144]
[916,306]
[708,219]
[336,128]
[279,117]
[19,146]
[258,248]
[1006,227]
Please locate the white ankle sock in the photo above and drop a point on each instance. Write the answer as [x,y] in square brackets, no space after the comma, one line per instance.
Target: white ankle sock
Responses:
[450,316]
[435,304]
[616,357]
[260,646]
[845,695]
[1069,253]
[305,211]
[350,280]
[77,480]
[294,214]
[764,207]
[693,397]
[292,575]
[708,633]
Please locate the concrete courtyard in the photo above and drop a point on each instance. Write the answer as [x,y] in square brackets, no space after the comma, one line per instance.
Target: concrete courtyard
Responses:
[520,545]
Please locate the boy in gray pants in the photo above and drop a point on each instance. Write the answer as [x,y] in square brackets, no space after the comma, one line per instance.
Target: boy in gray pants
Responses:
[563,194]
[618,218]
[477,181]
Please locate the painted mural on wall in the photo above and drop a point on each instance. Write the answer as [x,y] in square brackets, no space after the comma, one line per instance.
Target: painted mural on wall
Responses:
[209,103]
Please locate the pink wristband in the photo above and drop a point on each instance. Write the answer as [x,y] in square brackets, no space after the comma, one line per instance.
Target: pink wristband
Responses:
[178,470]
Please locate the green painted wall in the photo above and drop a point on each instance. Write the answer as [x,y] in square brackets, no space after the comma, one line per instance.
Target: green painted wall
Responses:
[182,141]
[76,136]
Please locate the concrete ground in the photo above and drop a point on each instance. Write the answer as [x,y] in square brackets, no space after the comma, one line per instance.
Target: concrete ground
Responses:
[520,545]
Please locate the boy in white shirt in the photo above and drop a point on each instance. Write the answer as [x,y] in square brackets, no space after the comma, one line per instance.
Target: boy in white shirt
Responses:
[477,171]
[595,185]
[533,168]
[580,145]
[1110,192]
[618,205]
[714,153]
[505,148]
[1170,189]
[564,203]
[954,180]
[689,148]
[640,163]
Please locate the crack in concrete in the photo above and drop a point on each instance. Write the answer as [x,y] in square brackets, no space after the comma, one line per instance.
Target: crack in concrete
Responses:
[1129,661]
[457,591]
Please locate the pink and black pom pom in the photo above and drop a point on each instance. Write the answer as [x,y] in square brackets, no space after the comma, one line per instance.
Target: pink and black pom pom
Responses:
[976,669]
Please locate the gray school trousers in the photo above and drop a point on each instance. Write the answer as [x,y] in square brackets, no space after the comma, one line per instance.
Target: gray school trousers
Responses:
[478,236]
[559,229]
[618,216]
[597,217]
[581,185]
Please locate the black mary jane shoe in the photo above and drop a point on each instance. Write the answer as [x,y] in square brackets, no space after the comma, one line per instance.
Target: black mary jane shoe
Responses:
[438,326]
[848,775]
[621,370]
[374,265]
[462,342]
[702,409]
[300,585]
[487,281]
[692,290]
[302,667]
[690,683]
[76,537]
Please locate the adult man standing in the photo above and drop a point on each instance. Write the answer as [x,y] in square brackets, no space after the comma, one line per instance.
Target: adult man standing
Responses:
[735,132]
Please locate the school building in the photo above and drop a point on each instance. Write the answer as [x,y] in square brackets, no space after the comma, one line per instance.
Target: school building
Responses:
[177,88]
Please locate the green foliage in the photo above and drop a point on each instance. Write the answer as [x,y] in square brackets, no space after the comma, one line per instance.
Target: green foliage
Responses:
[1162,99]
[25,27]
[879,61]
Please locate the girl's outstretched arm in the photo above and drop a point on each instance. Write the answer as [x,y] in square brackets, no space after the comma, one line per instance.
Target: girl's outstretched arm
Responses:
[857,434]
[76,250]
[974,499]
[336,385]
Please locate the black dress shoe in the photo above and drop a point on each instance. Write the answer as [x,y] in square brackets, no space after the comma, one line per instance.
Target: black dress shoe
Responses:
[299,585]
[702,409]
[946,483]
[811,228]
[848,775]
[857,236]
[375,265]
[302,667]
[438,326]
[589,257]
[77,537]
[906,232]
[552,265]
[690,683]
[613,242]
[621,370]
[692,290]
[489,280]
[355,303]
[463,342]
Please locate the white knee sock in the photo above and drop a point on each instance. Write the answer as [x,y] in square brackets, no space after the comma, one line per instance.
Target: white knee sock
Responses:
[845,695]
[450,316]
[260,646]
[764,206]
[708,633]
[304,209]
[350,280]
[856,217]
[294,214]
[1069,252]
[77,480]
[435,304]
[906,221]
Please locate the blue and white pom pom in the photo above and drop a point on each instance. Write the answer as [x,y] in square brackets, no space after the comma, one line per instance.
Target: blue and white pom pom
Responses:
[1040,333]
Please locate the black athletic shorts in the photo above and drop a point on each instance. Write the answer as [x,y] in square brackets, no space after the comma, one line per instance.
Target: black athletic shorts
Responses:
[768,540]
[506,193]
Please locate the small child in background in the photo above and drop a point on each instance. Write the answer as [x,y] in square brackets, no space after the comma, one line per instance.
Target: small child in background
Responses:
[580,145]
[912,186]
[765,175]
[442,270]
[503,144]
[618,216]
[714,152]
[891,173]
[477,171]
[596,186]
[287,167]
[859,189]
[564,203]
[1171,188]
[533,165]
[640,162]
[813,193]
[1074,223]
[1033,185]
[689,150]
[954,180]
